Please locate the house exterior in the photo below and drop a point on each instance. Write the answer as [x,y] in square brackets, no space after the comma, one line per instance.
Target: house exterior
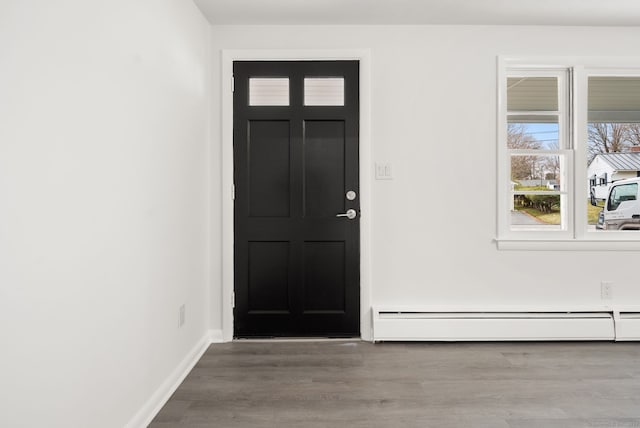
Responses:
[606,168]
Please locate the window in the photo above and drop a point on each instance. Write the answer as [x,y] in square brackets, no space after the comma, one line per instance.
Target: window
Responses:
[566,132]
[619,194]
[538,150]
[269,91]
[324,91]
[613,133]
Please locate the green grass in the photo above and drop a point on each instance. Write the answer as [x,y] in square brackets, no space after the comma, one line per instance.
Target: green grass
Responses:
[549,218]
[519,187]
[592,213]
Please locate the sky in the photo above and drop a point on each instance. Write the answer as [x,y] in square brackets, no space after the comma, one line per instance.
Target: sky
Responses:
[546,133]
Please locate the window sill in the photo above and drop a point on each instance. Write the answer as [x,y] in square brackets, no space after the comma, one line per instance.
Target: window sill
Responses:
[567,245]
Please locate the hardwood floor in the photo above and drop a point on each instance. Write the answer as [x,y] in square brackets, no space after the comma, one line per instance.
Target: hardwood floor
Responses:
[441,385]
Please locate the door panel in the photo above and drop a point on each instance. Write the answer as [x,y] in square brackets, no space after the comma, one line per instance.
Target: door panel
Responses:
[324,288]
[296,263]
[268,277]
[268,152]
[323,168]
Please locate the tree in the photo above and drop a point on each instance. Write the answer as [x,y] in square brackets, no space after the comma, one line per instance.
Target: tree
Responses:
[551,164]
[522,167]
[607,138]
[633,130]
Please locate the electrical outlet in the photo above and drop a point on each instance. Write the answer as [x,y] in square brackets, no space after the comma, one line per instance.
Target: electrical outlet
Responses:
[182,312]
[606,290]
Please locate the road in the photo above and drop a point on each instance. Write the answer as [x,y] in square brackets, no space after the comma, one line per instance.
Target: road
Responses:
[520,218]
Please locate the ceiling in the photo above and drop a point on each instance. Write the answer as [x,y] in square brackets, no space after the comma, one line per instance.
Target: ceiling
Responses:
[422,12]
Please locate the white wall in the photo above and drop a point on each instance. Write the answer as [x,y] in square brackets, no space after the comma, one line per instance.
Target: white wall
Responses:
[104,203]
[434,118]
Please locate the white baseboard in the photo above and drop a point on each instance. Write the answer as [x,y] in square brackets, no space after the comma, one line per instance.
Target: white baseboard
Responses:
[216,336]
[153,405]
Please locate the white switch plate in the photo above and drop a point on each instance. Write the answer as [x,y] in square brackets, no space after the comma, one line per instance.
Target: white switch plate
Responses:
[606,290]
[383,171]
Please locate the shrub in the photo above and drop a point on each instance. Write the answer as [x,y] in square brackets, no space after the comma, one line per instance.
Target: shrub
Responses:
[543,203]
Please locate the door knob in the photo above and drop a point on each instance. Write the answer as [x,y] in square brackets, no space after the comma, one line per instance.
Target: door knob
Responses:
[350,214]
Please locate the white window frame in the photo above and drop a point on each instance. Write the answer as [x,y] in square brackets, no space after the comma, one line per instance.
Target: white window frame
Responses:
[564,151]
[574,235]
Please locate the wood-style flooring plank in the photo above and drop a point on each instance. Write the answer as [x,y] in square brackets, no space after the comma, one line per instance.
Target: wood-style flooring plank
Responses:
[357,384]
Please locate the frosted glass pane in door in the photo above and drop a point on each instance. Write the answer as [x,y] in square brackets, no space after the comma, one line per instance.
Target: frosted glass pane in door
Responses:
[268,91]
[324,91]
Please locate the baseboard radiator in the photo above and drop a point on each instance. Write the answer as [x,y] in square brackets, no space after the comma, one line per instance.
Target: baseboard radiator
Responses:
[627,325]
[391,324]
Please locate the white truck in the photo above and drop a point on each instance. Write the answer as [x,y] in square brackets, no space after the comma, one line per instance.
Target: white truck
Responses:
[622,207]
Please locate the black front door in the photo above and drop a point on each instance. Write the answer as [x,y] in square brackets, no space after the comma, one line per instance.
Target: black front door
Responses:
[297,252]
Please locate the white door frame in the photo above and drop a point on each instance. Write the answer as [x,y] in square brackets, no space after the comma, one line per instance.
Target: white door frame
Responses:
[228,57]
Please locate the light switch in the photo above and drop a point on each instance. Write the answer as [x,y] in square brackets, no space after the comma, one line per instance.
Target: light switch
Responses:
[383,171]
